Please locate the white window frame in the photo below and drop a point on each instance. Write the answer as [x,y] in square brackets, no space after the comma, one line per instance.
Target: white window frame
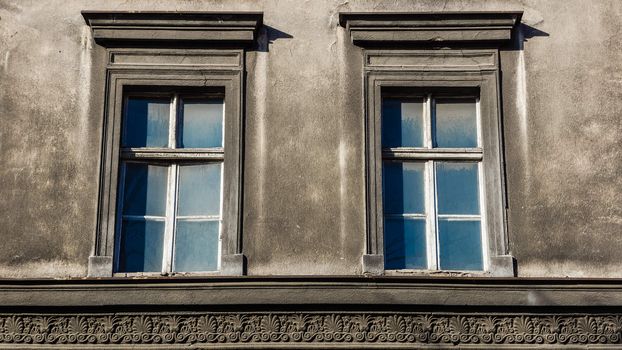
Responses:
[147,155]
[430,156]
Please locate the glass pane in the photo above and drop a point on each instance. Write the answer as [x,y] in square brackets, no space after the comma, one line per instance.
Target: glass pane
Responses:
[460,245]
[141,246]
[200,123]
[199,189]
[455,123]
[404,244]
[402,123]
[196,246]
[403,187]
[144,191]
[457,188]
[146,122]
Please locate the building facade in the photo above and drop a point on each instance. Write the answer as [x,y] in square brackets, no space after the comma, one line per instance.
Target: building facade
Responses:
[310,174]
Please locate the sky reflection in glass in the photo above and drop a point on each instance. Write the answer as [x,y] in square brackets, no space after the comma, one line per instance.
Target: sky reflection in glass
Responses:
[455,124]
[141,246]
[146,122]
[196,245]
[199,189]
[405,243]
[457,188]
[460,245]
[403,187]
[402,123]
[201,123]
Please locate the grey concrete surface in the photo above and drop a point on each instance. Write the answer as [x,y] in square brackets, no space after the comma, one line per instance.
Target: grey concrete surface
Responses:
[304,200]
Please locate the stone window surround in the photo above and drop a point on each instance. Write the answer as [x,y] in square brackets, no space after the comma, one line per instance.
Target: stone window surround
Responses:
[439,51]
[168,49]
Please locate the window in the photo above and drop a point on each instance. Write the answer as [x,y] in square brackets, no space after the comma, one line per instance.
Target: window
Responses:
[171,165]
[172,173]
[434,145]
[170,207]
[435,192]
[431,174]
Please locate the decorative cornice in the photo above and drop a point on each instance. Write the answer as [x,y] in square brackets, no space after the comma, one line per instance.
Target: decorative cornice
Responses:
[226,28]
[384,290]
[382,29]
[319,328]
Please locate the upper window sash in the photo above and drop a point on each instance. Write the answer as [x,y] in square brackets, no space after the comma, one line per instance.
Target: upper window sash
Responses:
[424,128]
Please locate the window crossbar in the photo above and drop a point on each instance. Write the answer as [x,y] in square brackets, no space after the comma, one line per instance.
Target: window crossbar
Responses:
[406,216]
[403,153]
[143,217]
[199,217]
[208,154]
[458,217]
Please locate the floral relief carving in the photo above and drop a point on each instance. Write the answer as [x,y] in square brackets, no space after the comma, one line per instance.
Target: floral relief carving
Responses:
[249,328]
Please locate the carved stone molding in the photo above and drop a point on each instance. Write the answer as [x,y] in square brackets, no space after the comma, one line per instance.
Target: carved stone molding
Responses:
[384,28]
[230,28]
[347,329]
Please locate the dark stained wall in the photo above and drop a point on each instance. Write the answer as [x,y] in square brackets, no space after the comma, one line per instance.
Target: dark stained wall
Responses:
[304,201]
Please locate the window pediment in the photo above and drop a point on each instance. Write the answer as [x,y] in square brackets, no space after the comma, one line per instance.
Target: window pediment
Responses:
[227,28]
[426,28]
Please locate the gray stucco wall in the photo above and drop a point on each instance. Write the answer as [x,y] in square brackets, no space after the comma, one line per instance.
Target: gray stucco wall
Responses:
[304,199]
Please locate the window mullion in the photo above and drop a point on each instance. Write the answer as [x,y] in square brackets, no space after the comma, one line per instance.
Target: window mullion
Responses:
[431,236]
[172,131]
[427,121]
[430,189]
[169,227]
[171,192]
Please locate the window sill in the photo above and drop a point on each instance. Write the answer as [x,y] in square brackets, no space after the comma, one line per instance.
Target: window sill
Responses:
[499,266]
[102,266]
[444,273]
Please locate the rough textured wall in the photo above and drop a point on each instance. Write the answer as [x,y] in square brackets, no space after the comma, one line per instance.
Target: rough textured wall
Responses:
[564,140]
[304,202]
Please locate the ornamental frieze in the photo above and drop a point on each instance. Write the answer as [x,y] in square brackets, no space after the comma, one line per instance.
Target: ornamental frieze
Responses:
[309,327]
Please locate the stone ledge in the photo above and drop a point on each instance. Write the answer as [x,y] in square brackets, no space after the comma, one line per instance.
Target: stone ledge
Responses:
[228,28]
[396,291]
[378,28]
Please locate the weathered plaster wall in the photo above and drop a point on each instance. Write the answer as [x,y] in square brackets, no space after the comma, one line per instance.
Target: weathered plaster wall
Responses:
[304,183]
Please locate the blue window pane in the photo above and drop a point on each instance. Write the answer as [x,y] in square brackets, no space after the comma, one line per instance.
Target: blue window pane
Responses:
[196,246]
[146,122]
[457,188]
[199,189]
[404,244]
[144,189]
[402,123]
[141,246]
[200,123]
[460,245]
[403,187]
[455,124]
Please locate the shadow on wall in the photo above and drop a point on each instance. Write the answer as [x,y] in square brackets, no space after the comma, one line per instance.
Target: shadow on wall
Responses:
[268,35]
[524,33]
